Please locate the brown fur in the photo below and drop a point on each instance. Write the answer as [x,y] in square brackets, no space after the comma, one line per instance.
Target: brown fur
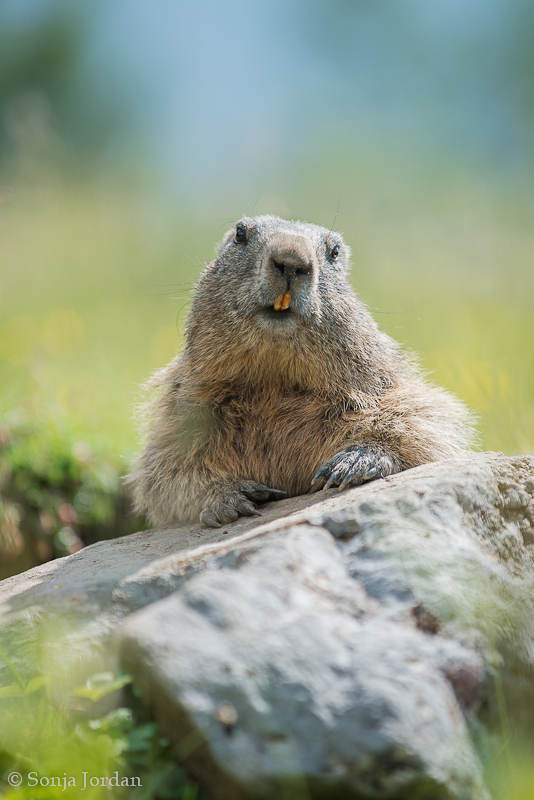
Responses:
[266,397]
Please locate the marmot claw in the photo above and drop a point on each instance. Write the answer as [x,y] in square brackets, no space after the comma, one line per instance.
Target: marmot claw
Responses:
[353,466]
[235,500]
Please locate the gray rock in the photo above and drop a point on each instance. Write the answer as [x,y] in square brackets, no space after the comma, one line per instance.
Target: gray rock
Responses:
[61,616]
[348,650]
[356,665]
[323,683]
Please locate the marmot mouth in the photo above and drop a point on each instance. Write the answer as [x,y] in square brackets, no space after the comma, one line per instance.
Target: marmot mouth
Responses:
[280,316]
[282,303]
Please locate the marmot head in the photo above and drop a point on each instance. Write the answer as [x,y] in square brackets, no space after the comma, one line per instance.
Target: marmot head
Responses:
[275,305]
[278,272]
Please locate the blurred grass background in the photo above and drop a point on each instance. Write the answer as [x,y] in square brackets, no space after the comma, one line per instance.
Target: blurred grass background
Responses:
[130,138]
[97,298]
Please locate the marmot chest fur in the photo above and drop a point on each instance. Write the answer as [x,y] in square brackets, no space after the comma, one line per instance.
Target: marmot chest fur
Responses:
[285,385]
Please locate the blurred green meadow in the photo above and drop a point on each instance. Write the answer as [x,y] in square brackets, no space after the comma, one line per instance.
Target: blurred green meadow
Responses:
[121,167]
[96,281]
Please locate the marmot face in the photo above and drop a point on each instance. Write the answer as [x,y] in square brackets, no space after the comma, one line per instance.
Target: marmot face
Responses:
[276,307]
[275,272]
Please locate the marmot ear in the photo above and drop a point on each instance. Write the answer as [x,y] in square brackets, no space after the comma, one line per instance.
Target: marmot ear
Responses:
[343,264]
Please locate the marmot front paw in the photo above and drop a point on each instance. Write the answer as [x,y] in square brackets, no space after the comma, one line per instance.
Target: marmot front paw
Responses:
[353,466]
[235,500]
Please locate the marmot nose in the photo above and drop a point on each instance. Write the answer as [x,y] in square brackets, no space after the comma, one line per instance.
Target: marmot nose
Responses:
[290,265]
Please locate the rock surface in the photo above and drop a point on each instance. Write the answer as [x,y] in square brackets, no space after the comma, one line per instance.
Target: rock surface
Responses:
[83,597]
[287,667]
[348,650]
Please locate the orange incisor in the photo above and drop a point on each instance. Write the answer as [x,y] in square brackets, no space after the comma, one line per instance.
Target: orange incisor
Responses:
[282,303]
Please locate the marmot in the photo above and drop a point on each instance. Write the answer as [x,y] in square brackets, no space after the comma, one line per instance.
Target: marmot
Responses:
[285,386]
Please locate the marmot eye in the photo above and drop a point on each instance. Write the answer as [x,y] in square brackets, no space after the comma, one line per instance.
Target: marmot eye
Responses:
[335,252]
[240,236]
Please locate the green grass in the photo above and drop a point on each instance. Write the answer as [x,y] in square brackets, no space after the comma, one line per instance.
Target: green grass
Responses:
[82,327]
[83,742]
